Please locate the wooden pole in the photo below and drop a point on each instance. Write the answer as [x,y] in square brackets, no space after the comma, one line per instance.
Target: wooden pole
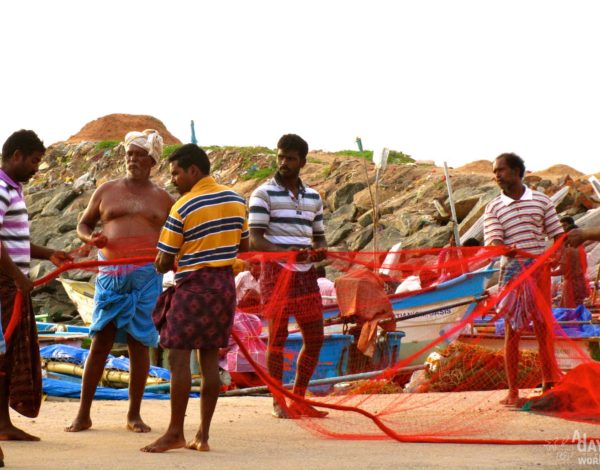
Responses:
[327,381]
[452,208]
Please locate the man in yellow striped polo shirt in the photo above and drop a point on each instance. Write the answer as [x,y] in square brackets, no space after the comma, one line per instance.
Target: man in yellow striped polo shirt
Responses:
[204,232]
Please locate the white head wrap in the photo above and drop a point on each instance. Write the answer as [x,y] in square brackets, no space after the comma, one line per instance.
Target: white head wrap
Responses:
[150,140]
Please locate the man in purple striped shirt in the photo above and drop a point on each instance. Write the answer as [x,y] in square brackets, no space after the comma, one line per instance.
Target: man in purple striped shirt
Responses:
[20,372]
[522,219]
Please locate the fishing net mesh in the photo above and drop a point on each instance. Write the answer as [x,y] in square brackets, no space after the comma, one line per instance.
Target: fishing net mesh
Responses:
[410,345]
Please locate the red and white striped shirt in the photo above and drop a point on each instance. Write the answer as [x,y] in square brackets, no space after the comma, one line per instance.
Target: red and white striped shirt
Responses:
[523,223]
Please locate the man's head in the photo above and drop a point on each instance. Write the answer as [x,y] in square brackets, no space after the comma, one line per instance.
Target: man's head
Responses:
[471,242]
[189,164]
[142,151]
[21,155]
[291,155]
[509,170]
[568,223]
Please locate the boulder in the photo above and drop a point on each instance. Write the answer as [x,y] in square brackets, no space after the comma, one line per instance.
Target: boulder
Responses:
[339,235]
[465,205]
[60,201]
[429,236]
[345,194]
[358,240]
[366,219]
[406,223]
[386,238]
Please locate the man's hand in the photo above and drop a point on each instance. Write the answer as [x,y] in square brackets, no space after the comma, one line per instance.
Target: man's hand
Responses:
[302,254]
[512,251]
[318,254]
[575,237]
[58,258]
[98,239]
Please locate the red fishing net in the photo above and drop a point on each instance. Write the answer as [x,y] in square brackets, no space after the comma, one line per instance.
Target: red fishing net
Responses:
[412,346]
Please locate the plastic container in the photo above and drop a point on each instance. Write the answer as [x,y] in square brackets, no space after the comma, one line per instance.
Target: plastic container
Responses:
[333,359]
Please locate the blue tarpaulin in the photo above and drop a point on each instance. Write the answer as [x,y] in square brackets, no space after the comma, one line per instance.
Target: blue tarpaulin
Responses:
[74,355]
[580,313]
[63,388]
[71,389]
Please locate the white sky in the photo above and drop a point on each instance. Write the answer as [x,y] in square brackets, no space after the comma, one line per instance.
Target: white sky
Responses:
[446,80]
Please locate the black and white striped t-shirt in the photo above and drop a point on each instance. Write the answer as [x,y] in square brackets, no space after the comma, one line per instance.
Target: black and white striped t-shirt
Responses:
[288,221]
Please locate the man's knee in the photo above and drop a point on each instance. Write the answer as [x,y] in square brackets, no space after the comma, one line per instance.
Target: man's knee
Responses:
[278,337]
[179,360]
[101,346]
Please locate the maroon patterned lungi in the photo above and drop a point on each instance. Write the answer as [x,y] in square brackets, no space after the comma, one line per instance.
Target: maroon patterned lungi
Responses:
[21,364]
[197,313]
[285,293]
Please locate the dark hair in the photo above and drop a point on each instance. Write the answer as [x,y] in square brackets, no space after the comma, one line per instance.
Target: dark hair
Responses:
[567,219]
[26,141]
[190,154]
[570,221]
[321,271]
[471,242]
[293,142]
[514,162]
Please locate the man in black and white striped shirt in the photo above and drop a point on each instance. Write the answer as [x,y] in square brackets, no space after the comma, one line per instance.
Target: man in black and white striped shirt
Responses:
[286,215]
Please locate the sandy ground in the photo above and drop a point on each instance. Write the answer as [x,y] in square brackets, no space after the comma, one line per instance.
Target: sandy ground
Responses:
[246,436]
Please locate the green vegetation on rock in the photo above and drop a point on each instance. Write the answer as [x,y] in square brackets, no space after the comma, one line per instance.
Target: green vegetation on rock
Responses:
[258,174]
[394,156]
[106,145]
[169,149]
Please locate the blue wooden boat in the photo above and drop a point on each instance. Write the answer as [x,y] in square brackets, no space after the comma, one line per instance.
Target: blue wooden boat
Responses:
[54,333]
[427,314]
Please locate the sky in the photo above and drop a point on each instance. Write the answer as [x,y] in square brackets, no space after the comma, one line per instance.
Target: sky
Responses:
[448,80]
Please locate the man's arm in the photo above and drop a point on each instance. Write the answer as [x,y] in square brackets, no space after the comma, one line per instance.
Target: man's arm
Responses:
[56,257]
[577,236]
[319,243]
[258,242]
[164,262]
[24,284]
[319,249]
[89,219]
[244,245]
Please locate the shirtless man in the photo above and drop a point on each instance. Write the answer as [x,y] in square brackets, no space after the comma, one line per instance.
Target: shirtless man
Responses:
[132,211]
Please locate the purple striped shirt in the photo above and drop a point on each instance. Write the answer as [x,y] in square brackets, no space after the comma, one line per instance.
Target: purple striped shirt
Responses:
[524,223]
[14,222]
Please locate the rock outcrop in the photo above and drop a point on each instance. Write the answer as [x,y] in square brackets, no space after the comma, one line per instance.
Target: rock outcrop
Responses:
[412,199]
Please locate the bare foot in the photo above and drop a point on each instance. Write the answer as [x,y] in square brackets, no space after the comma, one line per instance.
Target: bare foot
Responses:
[302,409]
[137,425]
[164,443]
[10,433]
[79,424]
[511,399]
[281,412]
[198,444]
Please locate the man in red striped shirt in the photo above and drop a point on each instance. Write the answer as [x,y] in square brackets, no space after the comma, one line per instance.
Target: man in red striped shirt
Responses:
[522,219]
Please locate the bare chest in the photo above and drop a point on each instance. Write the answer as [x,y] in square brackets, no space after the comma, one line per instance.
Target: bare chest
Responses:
[135,206]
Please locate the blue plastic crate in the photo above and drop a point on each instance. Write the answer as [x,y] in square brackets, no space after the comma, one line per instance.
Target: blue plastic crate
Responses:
[333,359]
[387,352]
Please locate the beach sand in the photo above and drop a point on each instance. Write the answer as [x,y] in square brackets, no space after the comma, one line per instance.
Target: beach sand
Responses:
[246,436]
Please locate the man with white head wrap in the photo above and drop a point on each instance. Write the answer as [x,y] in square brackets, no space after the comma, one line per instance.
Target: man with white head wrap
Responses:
[149,140]
[132,211]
